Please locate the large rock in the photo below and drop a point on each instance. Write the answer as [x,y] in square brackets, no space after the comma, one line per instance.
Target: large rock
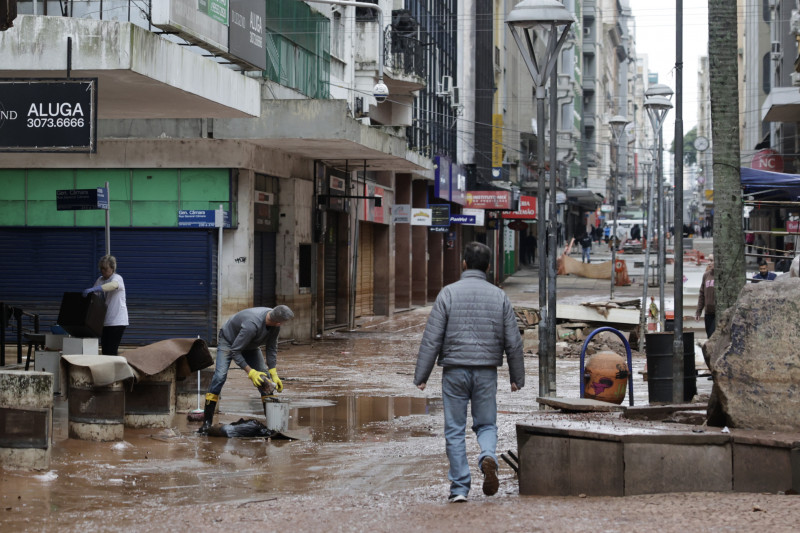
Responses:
[754,357]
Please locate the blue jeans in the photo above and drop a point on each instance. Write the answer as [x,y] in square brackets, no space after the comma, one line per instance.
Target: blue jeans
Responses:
[460,386]
[587,253]
[254,358]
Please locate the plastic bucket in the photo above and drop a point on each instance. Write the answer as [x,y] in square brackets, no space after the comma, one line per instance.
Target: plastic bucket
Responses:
[658,349]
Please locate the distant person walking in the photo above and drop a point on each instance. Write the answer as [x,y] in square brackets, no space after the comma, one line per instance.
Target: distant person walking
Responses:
[470,326]
[111,286]
[586,245]
[705,300]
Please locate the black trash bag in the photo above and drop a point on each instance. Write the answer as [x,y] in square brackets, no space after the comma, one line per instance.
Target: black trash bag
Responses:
[242,428]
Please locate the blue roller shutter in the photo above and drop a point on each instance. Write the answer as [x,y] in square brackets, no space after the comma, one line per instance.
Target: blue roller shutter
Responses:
[170,276]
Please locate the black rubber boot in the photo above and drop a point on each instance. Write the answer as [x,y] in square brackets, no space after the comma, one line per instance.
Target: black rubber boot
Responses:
[208,419]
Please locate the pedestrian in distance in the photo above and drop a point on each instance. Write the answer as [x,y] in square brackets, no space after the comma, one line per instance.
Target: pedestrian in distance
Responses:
[112,288]
[470,326]
[239,340]
[763,273]
[705,301]
[586,245]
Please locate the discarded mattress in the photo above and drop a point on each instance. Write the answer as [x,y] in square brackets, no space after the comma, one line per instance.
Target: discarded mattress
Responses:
[105,369]
[568,265]
[190,355]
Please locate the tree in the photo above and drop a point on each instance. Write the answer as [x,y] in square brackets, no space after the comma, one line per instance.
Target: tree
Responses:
[728,236]
[689,151]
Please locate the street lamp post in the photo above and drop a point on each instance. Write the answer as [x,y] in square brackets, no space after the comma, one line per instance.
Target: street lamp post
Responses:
[658,105]
[540,28]
[647,166]
[617,124]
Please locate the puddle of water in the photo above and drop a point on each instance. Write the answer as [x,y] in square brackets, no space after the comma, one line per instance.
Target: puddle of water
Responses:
[175,466]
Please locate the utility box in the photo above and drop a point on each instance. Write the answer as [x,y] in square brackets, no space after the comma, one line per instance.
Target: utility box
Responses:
[76,346]
[47,361]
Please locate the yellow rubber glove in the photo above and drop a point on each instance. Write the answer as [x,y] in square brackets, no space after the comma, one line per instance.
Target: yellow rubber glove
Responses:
[256,377]
[273,374]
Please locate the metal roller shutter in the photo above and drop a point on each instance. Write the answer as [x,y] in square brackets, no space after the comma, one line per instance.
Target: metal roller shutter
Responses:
[170,276]
[264,270]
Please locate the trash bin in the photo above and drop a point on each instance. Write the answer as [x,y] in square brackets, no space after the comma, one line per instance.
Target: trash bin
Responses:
[658,349]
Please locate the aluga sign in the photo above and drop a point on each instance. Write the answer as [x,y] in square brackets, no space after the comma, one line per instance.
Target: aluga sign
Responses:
[48,115]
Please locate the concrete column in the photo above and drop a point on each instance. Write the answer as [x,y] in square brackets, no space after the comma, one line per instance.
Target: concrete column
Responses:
[419,247]
[435,264]
[402,243]
[26,419]
[383,269]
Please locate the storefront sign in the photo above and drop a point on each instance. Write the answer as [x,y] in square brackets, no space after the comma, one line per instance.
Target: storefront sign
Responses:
[421,217]
[440,215]
[401,213]
[477,213]
[246,38]
[527,209]
[47,115]
[462,219]
[488,199]
[216,9]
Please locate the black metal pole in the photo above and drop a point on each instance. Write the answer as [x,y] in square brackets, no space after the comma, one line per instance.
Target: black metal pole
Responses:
[551,240]
[544,389]
[677,353]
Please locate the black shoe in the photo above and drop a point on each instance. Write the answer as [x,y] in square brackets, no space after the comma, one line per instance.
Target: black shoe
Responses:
[490,481]
[205,427]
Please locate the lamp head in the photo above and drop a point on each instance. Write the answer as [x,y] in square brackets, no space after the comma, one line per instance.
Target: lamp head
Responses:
[657,103]
[659,89]
[618,123]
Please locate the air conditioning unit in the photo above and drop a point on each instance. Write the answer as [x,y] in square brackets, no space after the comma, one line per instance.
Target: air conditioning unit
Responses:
[776,50]
[446,86]
[587,31]
[795,79]
[794,22]
[455,98]
[773,4]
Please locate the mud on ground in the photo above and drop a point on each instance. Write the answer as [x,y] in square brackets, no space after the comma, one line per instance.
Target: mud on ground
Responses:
[372,459]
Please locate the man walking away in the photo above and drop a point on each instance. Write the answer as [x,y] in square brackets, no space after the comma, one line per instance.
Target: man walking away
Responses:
[586,244]
[470,326]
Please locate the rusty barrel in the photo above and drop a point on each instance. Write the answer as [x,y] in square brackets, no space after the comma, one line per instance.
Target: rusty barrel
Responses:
[95,413]
[658,348]
[150,402]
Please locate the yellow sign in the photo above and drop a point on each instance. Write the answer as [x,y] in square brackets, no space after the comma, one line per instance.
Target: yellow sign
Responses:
[497,141]
[709,195]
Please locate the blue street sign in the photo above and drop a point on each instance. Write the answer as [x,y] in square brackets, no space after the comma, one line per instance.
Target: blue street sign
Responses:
[200,218]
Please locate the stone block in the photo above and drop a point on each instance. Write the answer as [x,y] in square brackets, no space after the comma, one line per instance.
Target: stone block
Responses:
[761,468]
[26,419]
[653,467]
[551,465]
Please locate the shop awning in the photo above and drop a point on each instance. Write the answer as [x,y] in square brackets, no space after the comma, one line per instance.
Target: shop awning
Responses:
[585,198]
[782,105]
[765,185]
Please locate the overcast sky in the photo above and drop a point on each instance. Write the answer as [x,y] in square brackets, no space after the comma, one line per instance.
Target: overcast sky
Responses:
[655,37]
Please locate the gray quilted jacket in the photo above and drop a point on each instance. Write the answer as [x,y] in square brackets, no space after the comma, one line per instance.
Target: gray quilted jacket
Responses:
[471,324]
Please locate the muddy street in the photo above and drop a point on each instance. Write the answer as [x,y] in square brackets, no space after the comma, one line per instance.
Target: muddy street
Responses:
[369,457]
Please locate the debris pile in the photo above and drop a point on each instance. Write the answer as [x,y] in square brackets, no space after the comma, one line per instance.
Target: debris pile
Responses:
[571,334]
